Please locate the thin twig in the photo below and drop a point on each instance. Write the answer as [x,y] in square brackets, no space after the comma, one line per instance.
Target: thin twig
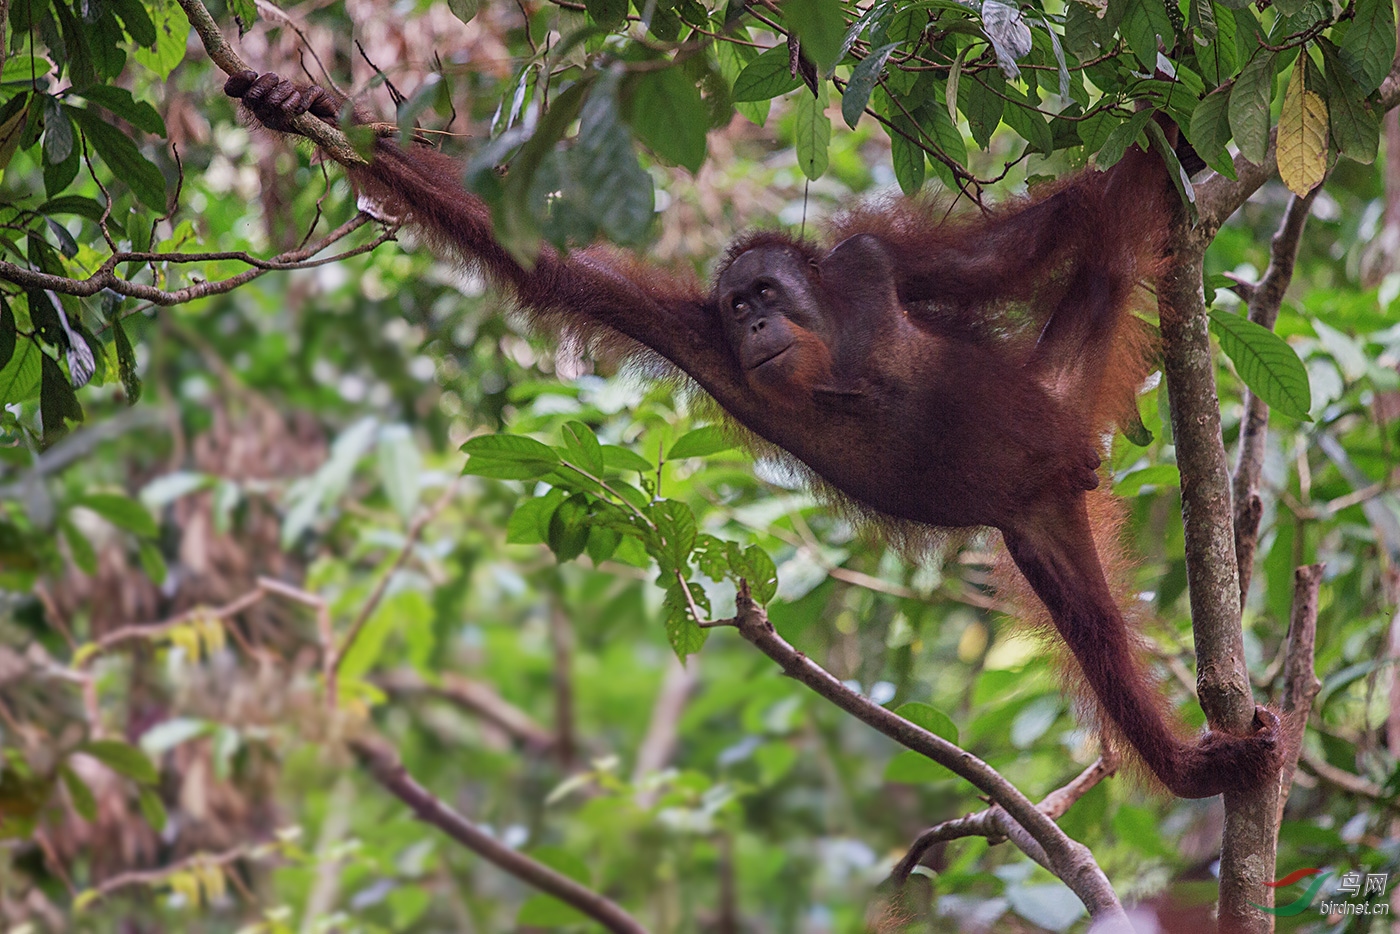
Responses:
[148,631]
[411,537]
[475,697]
[147,877]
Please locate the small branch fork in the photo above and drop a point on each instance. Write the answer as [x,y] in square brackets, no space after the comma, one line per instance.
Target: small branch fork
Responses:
[106,276]
[1069,860]
[996,825]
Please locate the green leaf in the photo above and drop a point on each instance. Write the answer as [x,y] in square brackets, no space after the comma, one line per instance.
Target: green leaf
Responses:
[81,549]
[400,468]
[58,404]
[1144,23]
[1249,106]
[607,13]
[820,27]
[24,68]
[72,204]
[546,911]
[906,155]
[933,116]
[676,531]
[731,58]
[75,35]
[464,10]
[863,78]
[1180,180]
[981,103]
[529,523]
[126,363]
[152,562]
[601,176]
[1158,476]
[812,134]
[669,116]
[120,102]
[620,458]
[20,378]
[682,630]
[911,768]
[701,442]
[754,565]
[172,31]
[1029,125]
[930,718]
[1355,128]
[83,801]
[123,158]
[582,448]
[1219,56]
[1368,48]
[152,808]
[766,77]
[58,132]
[1210,125]
[8,331]
[509,457]
[1267,364]
[14,116]
[122,511]
[1123,136]
[122,758]
[135,21]
[569,528]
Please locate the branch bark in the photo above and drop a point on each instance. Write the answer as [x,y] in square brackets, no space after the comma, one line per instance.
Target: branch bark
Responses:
[1264,302]
[996,825]
[1212,570]
[1068,859]
[1300,681]
[383,763]
[106,276]
[327,137]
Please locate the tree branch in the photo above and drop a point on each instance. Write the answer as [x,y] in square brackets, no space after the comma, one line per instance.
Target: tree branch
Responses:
[996,825]
[333,142]
[476,698]
[1264,302]
[1300,682]
[383,763]
[106,276]
[1071,861]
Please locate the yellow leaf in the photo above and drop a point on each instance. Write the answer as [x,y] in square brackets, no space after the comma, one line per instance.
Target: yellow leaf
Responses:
[185,637]
[185,884]
[85,898]
[1302,136]
[211,877]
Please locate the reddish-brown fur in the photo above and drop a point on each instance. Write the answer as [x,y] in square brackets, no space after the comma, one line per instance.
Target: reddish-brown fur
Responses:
[935,373]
